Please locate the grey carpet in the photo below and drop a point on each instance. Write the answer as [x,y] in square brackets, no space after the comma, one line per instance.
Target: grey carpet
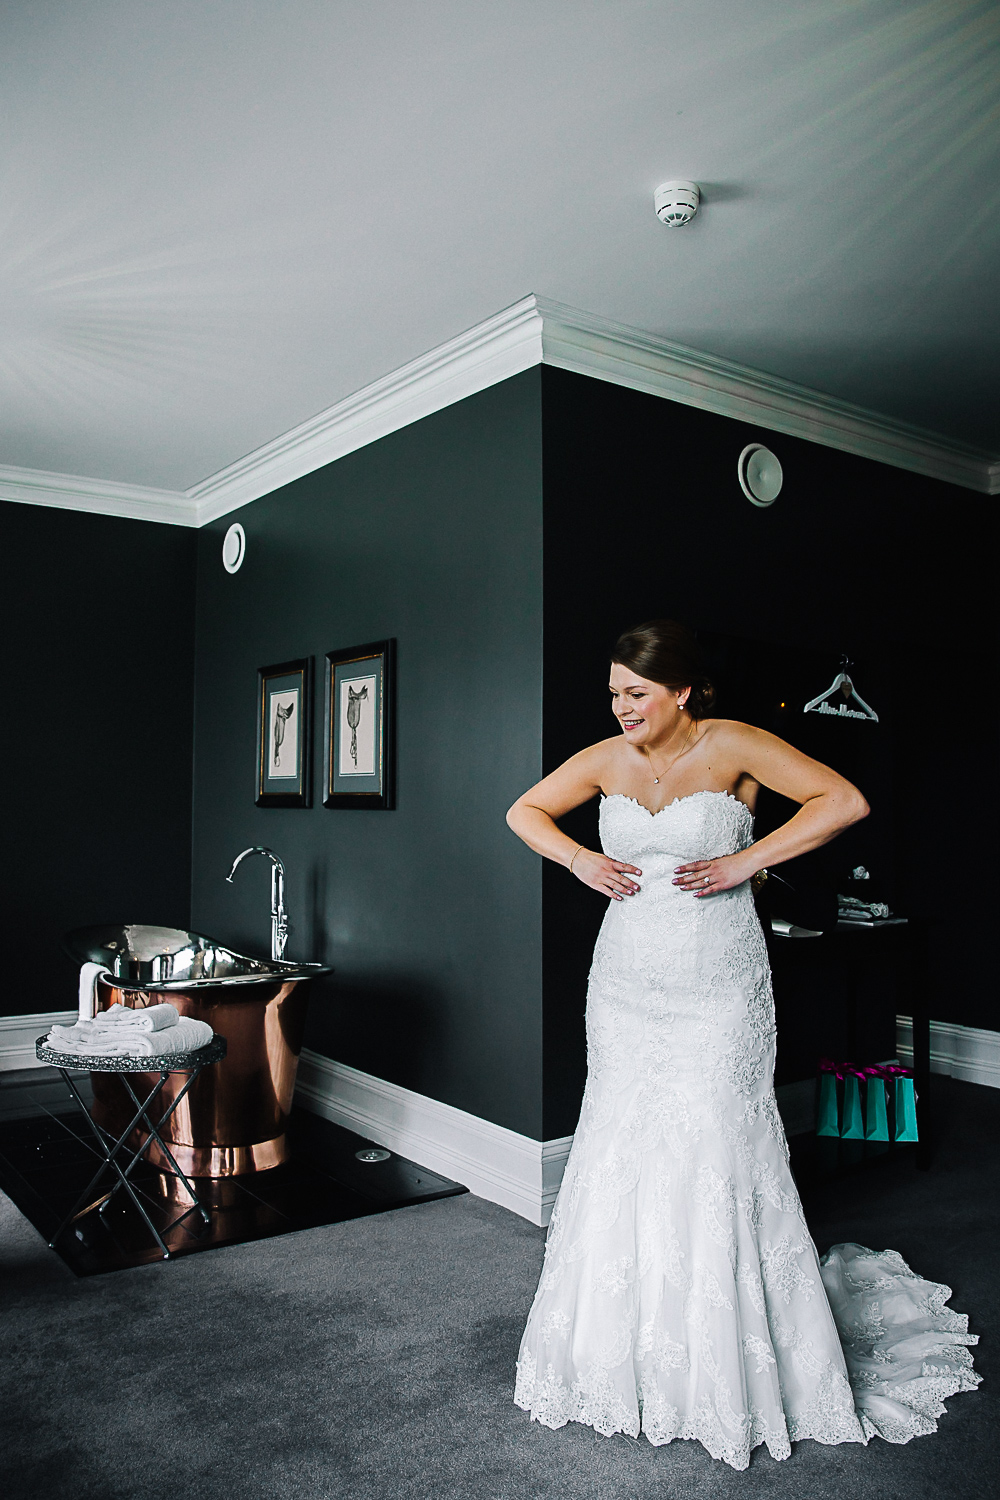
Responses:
[374,1359]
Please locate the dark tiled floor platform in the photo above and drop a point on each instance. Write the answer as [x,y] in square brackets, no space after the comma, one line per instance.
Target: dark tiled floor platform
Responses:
[48,1155]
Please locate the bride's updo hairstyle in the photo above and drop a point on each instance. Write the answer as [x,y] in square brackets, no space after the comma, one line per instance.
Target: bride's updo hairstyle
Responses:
[663,651]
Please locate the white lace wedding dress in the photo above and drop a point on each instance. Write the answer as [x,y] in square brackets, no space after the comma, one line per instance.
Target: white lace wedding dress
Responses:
[681,1294]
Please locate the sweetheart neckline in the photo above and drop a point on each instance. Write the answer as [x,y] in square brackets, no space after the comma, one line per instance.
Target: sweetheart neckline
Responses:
[706,792]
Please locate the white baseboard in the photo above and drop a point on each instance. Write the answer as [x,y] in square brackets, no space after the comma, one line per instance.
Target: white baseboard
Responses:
[965,1052]
[499,1165]
[18,1035]
[524,1174]
[513,1170]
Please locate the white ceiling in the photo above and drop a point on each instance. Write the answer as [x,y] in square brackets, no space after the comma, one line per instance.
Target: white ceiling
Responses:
[218,217]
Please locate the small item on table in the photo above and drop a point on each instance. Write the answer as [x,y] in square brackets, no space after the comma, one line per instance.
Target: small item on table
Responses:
[90,973]
[876,1119]
[839,1111]
[852,909]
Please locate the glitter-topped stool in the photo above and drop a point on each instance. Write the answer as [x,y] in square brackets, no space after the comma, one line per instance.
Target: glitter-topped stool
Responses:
[178,1062]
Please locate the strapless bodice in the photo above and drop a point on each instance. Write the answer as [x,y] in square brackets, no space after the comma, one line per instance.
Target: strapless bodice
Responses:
[681,1294]
[703,825]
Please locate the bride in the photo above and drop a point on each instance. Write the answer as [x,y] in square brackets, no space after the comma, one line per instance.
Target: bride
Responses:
[681,1294]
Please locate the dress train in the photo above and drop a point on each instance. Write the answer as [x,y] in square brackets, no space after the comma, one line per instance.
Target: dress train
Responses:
[682,1296]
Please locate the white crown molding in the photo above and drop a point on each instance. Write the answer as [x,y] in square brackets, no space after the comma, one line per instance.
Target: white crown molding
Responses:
[494,1163]
[588,345]
[492,351]
[533,331]
[99,497]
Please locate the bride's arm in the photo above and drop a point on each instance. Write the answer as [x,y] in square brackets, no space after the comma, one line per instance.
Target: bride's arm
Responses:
[829,804]
[533,819]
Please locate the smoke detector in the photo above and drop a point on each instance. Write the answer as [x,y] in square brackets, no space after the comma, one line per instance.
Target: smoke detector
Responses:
[676,202]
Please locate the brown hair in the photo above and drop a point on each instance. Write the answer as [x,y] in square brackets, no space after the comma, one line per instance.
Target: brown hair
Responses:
[663,651]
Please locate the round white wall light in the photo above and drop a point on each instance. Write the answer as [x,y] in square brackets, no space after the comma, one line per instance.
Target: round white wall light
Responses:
[760,474]
[234,548]
[676,202]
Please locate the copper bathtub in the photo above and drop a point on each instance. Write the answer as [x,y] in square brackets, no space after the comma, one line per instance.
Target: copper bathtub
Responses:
[234,1119]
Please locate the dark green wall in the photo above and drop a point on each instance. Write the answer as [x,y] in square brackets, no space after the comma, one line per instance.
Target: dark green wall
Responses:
[430,913]
[643,517]
[433,915]
[98,635]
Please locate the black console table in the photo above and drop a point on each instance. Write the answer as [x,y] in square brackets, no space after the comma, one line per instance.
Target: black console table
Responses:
[850,968]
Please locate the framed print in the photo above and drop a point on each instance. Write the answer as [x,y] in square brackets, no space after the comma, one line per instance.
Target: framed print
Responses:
[284,734]
[359,727]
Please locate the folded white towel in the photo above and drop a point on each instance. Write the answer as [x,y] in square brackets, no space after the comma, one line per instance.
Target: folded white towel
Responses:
[87,993]
[127,1018]
[94,1041]
[121,1021]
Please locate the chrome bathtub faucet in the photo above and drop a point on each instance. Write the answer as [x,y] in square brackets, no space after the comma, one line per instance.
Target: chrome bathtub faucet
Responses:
[279,917]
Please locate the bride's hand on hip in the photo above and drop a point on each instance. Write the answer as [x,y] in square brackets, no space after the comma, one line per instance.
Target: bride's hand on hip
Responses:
[609,876]
[707,877]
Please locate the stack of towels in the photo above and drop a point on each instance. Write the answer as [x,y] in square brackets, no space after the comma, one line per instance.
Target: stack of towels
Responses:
[122,1032]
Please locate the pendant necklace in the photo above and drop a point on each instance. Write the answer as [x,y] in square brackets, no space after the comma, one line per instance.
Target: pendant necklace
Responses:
[656,779]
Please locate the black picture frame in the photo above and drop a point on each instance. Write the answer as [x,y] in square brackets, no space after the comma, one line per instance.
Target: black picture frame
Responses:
[282,781]
[365,677]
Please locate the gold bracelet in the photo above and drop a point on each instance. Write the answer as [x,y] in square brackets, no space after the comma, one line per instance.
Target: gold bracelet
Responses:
[575,853]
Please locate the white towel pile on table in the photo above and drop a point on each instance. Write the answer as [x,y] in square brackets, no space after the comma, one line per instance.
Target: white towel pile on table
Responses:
[123,1032]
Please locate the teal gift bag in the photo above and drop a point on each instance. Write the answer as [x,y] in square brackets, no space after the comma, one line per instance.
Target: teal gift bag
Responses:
[826,1114]
[851,1128]
[906,1110]
[876,1120]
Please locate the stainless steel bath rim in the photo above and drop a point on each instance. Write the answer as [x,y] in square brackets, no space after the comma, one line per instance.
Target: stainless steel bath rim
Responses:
[170,958]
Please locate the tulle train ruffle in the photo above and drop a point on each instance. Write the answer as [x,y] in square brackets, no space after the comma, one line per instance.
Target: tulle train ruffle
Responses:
[682,1296]
[906,1352]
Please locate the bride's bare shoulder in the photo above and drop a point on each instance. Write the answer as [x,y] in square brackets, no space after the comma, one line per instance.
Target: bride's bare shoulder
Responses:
[732,743]
[597,757]
[576,780]
[724,732]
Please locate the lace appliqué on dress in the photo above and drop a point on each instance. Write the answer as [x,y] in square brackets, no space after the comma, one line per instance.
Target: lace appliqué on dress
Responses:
[681,1295]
